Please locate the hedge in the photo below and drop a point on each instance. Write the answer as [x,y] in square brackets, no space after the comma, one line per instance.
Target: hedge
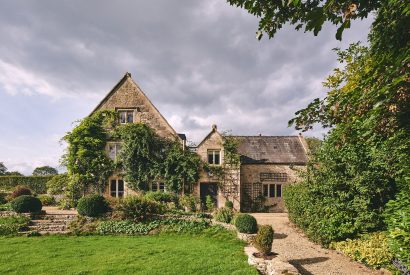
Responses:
[35,183]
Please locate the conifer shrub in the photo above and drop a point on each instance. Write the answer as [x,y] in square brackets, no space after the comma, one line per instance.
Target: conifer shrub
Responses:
[92,206]
[246,223]
[26,204]
[263,240]
[223,214]
[229,204]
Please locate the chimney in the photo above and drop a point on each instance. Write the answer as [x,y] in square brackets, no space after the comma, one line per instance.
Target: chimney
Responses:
[214,127]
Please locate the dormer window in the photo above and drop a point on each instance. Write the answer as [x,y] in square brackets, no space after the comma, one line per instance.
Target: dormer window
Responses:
[126,116]
[214,157]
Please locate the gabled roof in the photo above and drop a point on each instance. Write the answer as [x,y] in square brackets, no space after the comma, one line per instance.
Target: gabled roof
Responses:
[214,130]
[272,150]
[125,78]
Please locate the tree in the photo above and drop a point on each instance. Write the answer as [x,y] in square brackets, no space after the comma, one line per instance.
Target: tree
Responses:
[3,169]
[313,144]
[44,171]
[310,15]
[13,173]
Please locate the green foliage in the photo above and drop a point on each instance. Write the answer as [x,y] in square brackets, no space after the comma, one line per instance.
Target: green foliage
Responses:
[209,203]
[310,15]
[138,208]
[398,221]
[140,155]
[223,214]
[13,224]
[146,157]
[163,197]
[5,207]
[26,204]
[371,249]
[35,183]
[58,184]
[246,223]
[180,167]
[83,226]
[125,228]
[47,200]
[92,206]
[3,169]
[364,161]
[45,171]
[20,190]
[313,144]
[86,160]
[229,204]
[179,225]
[263,240]
[3,197]
[190,202]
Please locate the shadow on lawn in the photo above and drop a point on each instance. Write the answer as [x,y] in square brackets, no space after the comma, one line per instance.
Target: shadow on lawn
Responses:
[299,263]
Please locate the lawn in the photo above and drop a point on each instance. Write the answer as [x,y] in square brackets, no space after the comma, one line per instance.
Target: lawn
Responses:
[205,253]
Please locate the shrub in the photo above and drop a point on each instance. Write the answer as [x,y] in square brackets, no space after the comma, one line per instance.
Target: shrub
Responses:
[263,240]
[26,204]
[35,183]
[138,208]
[47,200]
[125,228]
[57,185]
[20,191]
[398,221]
[92,206]
[83,226]
[209,203]
[13,224]
[246,223]
[183,225]
[163,197]
[189,202]
[5,207]
[224,214]
[3,197]
[371,249]
[229,204]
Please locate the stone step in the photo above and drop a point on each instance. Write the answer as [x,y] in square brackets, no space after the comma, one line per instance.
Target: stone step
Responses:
[48,228]
[51,221]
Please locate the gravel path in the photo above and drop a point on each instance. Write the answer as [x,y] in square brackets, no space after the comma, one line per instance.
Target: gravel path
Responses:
[307,257]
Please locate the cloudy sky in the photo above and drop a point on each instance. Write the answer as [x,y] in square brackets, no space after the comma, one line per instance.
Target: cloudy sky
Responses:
[198,61]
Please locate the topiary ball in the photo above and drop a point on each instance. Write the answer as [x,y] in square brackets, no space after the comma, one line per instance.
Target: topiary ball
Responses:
[229,204]
[246,223]
[26,204]
[264,239]
[92,206]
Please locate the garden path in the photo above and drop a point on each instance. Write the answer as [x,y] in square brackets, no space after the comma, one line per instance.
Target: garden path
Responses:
[309,258]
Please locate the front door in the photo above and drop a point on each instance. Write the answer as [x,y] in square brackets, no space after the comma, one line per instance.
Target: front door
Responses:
[209,189]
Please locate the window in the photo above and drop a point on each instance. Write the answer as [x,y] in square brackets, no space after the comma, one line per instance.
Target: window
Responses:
[158,186]
[126,116]
[117,188]
[272,190]
[278,177]
[114,149]
[214,157]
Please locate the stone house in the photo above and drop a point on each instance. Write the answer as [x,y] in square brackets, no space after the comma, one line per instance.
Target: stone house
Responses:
[267,163]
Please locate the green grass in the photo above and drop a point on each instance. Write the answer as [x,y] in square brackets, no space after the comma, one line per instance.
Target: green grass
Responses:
[205,253]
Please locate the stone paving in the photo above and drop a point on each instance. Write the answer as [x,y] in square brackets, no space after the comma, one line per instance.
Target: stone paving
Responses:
[307,257]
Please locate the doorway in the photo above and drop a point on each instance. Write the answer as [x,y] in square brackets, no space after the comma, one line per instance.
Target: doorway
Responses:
[208,189]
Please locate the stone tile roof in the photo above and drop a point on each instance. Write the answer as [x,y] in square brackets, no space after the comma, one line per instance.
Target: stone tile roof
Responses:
[272,149]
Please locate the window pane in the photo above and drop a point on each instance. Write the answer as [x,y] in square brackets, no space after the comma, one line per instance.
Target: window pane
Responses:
[111,151]
[279,190]
[154,187]
[216,157]
[122,117]
[120,186]
[265,190]
[161,187]
[210,158]
[130,117]
[113,185]
[271,190]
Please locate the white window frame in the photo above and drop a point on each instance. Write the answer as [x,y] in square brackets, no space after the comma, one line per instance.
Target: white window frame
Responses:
[269,185]
[117,192]
[213,152]
[158,187]
[117,149]
[126,111]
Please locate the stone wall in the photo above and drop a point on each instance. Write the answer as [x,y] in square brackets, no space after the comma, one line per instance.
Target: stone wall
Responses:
[130,96]
[250,173]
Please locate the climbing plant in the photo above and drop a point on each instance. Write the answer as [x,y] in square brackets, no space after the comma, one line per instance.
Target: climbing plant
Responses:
[86,160]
